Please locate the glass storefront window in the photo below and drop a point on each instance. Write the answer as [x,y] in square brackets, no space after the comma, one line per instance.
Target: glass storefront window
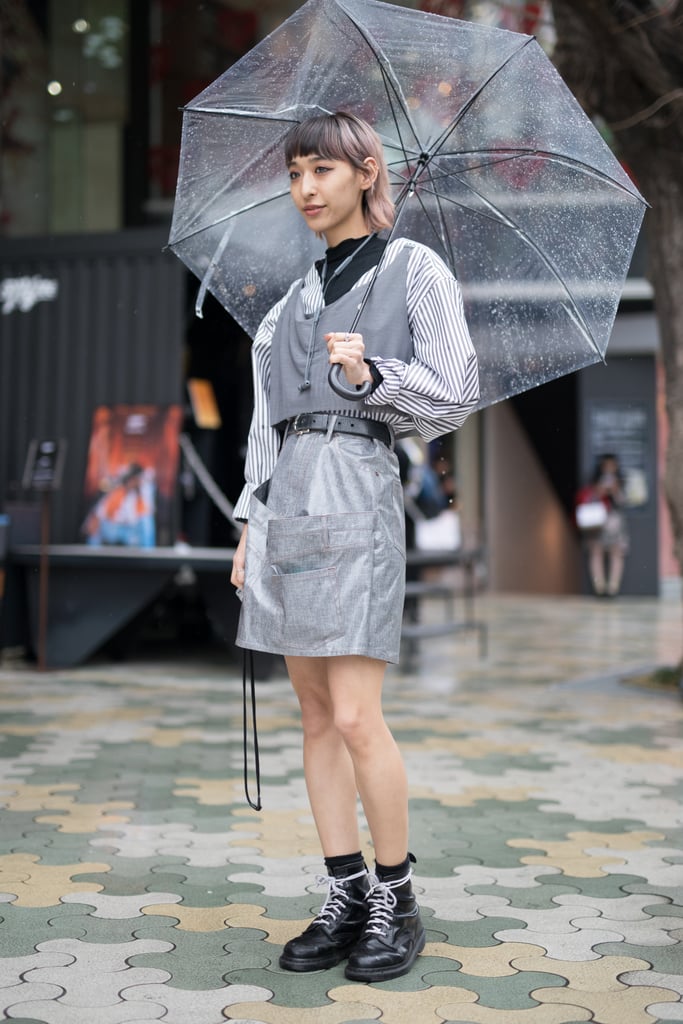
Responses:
[87,113]
[64,110]
[191,45]
[23,113]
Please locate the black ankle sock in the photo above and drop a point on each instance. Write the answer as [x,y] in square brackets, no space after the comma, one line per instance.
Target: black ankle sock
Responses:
[386,873]
[346,860]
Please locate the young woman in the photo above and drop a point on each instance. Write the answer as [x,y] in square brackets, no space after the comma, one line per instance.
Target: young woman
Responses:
[607,545]
[321,562]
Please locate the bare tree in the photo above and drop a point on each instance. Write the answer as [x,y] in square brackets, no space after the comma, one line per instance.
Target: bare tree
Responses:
[623,59]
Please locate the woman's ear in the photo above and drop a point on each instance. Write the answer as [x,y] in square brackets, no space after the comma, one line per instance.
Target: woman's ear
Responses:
[370,173]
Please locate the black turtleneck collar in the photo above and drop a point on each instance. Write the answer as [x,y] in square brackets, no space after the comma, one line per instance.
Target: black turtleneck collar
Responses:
[367,258]
[336,254]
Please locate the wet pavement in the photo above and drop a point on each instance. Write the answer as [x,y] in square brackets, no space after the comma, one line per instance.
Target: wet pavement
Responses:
[546,781]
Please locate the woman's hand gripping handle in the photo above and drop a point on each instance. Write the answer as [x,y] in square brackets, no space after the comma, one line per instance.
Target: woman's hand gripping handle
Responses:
[347,356]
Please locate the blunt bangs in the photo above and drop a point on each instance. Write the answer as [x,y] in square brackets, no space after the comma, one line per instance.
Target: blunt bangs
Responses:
[321,135]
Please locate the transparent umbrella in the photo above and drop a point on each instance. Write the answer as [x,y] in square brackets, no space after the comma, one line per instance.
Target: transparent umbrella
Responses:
[493,164]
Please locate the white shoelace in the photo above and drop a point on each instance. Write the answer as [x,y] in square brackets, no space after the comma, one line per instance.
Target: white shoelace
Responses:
[382,902]
[337,896]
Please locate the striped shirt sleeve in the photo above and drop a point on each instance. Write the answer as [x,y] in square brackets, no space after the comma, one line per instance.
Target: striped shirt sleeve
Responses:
[264,441]
[439,387]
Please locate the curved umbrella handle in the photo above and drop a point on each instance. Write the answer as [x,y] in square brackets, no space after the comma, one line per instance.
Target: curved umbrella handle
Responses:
[344,389]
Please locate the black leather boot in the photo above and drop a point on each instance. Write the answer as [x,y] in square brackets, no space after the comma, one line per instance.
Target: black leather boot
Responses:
[331,935]
[393,935]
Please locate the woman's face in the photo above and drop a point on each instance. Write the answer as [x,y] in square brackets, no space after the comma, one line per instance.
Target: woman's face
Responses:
[329,195]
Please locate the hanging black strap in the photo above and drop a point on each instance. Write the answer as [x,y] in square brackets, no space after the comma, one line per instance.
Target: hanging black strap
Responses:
[249,656]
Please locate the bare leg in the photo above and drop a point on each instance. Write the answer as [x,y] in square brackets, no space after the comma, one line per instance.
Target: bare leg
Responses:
[616,569]
[330,777]
[596,565]
[356,689]
[348,749]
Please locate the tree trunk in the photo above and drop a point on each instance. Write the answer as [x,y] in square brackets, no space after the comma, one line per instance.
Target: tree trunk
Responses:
[623,59]
[665,235]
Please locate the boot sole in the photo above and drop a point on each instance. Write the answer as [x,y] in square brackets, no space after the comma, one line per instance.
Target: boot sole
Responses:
[386,973]
[303,964]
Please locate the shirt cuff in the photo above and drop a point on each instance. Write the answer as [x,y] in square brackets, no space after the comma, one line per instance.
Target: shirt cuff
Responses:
[392,372]
[377,377]
[241,510]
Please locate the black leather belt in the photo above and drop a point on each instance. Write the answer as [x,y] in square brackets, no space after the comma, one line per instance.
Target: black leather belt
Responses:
[306,421]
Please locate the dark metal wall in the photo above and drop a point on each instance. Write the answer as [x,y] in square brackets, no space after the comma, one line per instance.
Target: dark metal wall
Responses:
[112,333]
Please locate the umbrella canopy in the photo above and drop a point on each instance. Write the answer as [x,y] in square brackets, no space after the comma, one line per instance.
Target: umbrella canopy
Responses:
[492,161]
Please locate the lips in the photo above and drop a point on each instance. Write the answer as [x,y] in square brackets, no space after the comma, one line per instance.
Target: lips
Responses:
[312,210]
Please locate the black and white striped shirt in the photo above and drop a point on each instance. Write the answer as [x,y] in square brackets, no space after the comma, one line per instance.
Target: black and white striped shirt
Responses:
[430,396]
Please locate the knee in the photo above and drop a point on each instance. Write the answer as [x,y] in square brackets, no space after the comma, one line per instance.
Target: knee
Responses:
[356,728]
[317,717]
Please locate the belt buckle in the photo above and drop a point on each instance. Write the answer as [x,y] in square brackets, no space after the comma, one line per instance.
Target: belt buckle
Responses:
[296,429]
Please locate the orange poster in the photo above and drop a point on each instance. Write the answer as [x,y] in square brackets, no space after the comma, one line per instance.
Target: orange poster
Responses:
[131,475]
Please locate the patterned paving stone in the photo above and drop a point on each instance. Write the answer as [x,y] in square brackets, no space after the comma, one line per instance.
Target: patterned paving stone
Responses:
[135,885]
[22,928]
[113,907]
[663,959]
[287,989]
[201,963]
[508,993]
[184,1006]
[39,885]
[613,886]
[611,1007]
[51,1011]
[586,854]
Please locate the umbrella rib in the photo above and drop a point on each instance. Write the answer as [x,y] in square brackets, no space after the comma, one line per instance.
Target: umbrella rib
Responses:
[517,153]
[448,131]
[441,231]
[220,248]
[256,115]
[444,228]
[387,73]
[228,184]
[390,101]
[400,204]
[231,215]
[573,310]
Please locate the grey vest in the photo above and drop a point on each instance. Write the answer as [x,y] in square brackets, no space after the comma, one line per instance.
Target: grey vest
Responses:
[383,324]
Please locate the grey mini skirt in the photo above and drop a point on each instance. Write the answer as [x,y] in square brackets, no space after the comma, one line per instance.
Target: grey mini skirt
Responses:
[325,559]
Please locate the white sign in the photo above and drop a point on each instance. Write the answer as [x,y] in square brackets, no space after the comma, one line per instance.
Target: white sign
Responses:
[23,293]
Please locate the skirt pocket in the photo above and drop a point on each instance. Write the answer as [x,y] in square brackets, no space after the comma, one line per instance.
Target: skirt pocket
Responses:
[322,578]
[309,603]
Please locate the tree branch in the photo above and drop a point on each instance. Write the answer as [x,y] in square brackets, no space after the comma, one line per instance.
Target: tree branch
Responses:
[643,115]
[624,60]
